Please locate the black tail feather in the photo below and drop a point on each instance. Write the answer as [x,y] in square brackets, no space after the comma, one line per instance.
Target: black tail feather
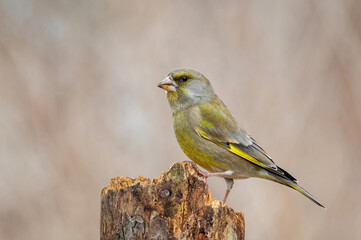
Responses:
[287,175]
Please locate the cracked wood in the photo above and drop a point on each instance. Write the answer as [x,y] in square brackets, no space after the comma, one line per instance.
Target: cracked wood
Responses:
[177,205]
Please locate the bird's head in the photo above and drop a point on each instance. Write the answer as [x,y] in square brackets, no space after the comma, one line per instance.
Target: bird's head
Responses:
[185,88]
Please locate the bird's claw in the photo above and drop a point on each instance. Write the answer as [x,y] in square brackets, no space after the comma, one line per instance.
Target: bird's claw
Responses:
[205,175]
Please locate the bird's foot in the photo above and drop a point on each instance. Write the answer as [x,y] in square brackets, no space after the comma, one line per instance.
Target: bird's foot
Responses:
[200,172]
[209,174]
[205,175]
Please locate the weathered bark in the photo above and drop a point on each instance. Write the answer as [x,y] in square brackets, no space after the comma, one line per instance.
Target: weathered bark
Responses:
[177,205]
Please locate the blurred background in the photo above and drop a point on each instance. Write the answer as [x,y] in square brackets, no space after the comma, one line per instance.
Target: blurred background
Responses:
[79,105]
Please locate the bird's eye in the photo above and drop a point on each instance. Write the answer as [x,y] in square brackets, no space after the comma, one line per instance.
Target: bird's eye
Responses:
[184,78]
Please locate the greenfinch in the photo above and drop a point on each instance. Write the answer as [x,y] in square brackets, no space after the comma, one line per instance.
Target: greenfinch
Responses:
[211,137]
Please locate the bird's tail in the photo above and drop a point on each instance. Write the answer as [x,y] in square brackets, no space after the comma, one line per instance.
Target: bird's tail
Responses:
[301,190]
[294,185]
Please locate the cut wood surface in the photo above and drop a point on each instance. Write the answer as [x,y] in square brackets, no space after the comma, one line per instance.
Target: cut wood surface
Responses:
[177,205]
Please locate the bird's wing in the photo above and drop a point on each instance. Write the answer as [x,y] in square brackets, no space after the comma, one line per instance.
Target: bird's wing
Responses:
[216,124]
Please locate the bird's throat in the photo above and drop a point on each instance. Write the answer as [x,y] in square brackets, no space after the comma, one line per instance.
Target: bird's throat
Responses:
[172,97]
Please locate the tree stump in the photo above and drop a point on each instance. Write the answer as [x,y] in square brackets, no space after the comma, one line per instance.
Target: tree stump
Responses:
[177,205]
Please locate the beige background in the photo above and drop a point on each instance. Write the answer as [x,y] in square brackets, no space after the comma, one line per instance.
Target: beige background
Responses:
[79,105]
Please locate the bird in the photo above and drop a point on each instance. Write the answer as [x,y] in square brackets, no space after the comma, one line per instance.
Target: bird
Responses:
[212,138]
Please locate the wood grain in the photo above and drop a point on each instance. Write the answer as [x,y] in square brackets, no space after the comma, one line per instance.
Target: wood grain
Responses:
[177,205]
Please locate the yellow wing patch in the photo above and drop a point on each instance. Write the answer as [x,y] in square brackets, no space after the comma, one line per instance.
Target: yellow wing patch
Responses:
[202,134]
[233,149]
[244,155]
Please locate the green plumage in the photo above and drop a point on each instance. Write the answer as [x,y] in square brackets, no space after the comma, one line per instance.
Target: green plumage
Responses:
[211,137]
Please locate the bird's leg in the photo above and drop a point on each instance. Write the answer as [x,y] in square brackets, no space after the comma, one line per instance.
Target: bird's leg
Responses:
[229,182]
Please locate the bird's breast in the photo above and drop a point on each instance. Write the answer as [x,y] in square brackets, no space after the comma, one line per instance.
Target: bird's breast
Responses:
[201,151]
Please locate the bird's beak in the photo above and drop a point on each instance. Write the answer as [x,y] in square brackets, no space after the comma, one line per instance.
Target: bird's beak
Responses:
[168,84]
